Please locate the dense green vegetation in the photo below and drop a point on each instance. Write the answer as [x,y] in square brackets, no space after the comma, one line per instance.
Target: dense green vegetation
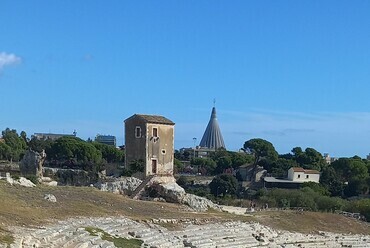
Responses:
[344,184]
[67,152]
[345,178]
[14,145]
[218,162]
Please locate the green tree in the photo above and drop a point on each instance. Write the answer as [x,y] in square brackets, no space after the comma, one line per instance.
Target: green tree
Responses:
[326,203]
[238,159]
[178,166]
[16,143]
[77,151]
[224,184]
[223,163]
[360,206]
[260,148]
[182,181]
[207,165]
[23,135]
[137,166]
[332,181]
[354,172]
[279,167]
[5,152]
[40,144]
[318,188]
[309,159]
[110,153]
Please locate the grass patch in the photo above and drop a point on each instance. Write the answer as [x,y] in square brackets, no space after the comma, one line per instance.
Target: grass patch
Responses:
[171,226]
[117,241]
[6,239]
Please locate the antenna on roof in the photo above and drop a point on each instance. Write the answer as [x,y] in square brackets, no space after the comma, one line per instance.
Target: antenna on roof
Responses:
[214,102]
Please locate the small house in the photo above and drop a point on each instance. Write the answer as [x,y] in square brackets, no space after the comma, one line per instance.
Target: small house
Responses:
[150,138]
[297,174]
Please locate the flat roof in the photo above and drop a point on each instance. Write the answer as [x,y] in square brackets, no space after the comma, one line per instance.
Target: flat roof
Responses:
[277,180]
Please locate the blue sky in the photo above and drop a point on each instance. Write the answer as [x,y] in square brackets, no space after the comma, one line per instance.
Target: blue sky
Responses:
[296,73]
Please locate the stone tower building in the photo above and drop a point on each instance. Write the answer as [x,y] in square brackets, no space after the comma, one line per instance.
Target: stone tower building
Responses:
[150,138]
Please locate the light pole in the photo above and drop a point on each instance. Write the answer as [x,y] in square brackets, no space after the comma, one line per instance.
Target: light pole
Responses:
[195,141]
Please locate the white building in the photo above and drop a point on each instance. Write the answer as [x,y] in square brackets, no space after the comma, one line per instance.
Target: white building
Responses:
[297,174]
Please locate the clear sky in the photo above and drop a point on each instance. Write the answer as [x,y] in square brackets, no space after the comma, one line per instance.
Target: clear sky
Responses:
[296,73]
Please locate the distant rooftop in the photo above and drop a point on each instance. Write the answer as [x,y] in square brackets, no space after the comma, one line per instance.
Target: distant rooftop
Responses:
[299,169]
[52,136]
[277,180]
[153,119]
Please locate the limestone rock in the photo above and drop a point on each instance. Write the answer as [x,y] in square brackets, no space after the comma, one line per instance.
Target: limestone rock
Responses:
[48,181]
[32,163]
[21,181]
[123,185]
[25,182]
[50,198]
[198,203]
[172,192]
[52,183]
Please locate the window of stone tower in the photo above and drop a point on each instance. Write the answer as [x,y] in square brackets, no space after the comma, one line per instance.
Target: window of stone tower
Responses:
[138,132]
[155,132]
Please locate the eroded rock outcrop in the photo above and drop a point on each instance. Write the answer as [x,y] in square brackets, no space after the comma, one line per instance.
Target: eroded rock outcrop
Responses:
[50,198]
[19,181]
[32,163]
[169,190]
[122,185]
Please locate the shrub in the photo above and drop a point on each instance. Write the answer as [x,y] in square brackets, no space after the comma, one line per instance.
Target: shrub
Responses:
[360,206]
[33,179]
[326,203]
[183,180]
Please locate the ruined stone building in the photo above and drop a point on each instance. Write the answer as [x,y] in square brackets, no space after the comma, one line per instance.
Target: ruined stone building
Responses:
[150,138]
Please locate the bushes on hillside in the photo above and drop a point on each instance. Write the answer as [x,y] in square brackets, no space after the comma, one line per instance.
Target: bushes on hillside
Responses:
[304,198]
[360,206]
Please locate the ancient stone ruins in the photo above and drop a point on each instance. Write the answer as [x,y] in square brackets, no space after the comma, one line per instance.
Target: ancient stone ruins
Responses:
[75,233]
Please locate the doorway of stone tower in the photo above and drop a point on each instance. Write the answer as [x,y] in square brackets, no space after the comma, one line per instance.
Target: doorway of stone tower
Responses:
[154,166]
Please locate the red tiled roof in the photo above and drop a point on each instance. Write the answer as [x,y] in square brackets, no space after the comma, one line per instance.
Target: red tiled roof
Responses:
[299,169]
[311,172]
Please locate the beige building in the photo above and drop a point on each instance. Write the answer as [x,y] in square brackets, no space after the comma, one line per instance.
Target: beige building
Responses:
[150,138]
[297,174]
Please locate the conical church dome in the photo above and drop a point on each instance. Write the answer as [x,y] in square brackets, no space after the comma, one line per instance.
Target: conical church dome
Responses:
[212,137]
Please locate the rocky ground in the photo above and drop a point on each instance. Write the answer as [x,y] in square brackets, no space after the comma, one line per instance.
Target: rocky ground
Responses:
[76,232]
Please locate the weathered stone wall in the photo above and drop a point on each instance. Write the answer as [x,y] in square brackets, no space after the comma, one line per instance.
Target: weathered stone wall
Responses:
[71,177]
[32,164]
[122,185]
